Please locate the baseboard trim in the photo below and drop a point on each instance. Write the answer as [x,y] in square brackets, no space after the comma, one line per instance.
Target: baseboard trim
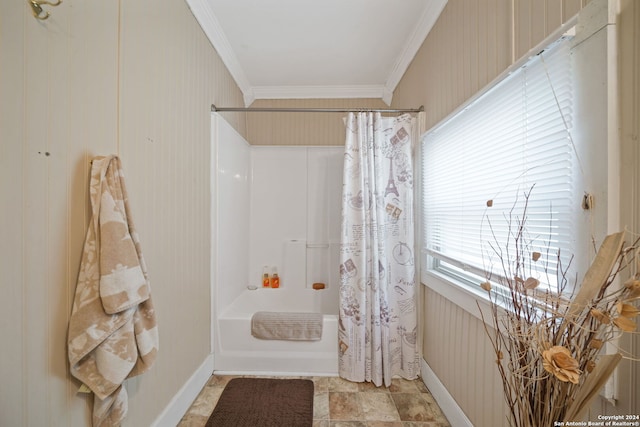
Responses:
[183,399]
[447,403]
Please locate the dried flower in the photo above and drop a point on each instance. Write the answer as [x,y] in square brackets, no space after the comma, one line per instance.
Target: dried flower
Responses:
[563,334]
[595,343]
[600,316]
[625,324]
[634,294]
[633,286]
[627,310]
[632,283]
[531,283]
[558,361]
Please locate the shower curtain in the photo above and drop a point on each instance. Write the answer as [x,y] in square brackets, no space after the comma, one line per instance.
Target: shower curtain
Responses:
[377,316]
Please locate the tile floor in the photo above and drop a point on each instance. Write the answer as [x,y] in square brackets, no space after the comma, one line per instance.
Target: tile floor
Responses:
[340,403]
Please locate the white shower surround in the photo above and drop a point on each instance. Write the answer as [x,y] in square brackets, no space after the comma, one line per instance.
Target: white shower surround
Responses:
[276,206]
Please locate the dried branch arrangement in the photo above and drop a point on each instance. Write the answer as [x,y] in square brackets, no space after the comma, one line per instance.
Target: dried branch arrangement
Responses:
[549,344]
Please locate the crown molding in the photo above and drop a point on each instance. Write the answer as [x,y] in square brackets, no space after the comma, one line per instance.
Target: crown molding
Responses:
[213,30]
[426,23]
[306,92]
[248,96]
[387,96]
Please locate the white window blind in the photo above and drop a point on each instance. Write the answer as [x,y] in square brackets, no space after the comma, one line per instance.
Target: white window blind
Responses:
[512,138]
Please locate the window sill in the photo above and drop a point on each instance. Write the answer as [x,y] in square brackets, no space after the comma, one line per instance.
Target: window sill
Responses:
[465,297]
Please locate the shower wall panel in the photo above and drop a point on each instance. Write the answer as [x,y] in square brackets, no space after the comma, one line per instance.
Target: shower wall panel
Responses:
[295,196]
[278,207]
[324,210]
[232,176]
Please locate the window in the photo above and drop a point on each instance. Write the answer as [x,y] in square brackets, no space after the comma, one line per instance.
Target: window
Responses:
[512,139]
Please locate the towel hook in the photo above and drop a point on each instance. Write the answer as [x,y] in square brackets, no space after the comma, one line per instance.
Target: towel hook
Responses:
[36,8]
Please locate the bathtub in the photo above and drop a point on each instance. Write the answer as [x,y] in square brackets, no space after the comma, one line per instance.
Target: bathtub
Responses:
[236,351]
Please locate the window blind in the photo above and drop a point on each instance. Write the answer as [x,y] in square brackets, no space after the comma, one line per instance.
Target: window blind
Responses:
[512,139]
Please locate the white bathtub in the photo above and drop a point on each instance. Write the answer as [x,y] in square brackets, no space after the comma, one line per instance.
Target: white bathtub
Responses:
[237,351]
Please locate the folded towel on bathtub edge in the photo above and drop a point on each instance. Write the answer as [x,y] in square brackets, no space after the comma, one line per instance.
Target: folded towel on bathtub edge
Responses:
[268,325]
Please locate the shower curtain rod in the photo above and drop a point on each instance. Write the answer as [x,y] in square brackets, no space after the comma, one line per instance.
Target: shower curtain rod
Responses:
[314,110]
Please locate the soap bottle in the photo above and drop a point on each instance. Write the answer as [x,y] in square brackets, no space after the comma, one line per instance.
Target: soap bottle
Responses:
[275,280]
[265,277]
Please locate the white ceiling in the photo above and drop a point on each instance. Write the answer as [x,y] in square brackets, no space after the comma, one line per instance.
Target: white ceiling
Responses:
[317,49]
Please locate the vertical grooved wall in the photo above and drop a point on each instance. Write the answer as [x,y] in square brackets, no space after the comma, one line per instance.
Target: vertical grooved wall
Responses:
[132,78]
[471,44]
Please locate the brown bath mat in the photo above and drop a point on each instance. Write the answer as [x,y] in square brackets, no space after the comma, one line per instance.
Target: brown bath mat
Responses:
[264,402]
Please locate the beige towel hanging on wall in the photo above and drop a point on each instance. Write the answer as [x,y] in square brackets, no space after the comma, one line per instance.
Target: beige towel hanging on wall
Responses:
[112,329]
